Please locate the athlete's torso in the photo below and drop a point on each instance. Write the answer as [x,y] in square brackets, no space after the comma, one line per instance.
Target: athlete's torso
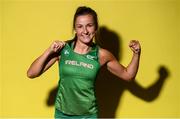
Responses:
[78,73]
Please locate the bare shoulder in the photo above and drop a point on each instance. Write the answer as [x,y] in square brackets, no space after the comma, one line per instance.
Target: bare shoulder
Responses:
[105,56]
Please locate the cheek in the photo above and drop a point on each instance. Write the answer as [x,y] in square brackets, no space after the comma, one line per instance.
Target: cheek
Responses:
[77,31]
[92,30]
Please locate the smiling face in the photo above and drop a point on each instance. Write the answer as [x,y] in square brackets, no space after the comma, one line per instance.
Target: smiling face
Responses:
[85,28]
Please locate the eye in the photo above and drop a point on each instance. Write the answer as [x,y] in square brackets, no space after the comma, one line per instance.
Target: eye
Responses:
[78,26]
[90,25]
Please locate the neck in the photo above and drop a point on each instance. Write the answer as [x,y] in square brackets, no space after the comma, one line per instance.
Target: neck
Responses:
[82,48]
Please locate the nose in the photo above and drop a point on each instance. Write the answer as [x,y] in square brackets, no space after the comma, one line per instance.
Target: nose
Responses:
[85,31]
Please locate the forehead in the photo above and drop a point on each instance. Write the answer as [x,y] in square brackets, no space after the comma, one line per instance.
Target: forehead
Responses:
[84,19]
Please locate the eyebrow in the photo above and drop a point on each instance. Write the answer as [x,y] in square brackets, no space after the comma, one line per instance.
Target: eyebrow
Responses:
[82,24]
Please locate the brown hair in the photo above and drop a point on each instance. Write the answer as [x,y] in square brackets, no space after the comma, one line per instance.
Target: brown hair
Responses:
[83,10]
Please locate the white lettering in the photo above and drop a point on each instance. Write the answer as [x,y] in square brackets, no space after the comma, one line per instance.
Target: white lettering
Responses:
[79,64]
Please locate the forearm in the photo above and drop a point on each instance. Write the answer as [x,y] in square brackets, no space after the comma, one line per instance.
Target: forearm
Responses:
[38,65]
[133,66]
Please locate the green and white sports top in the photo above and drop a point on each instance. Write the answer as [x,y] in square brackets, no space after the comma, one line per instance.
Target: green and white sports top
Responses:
[76,91]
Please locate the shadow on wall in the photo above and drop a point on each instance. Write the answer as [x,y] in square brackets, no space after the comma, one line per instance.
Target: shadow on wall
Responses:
[110,88]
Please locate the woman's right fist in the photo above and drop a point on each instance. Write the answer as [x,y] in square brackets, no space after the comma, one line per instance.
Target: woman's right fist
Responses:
[56,46]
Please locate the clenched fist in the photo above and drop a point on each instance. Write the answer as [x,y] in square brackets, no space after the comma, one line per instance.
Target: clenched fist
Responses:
[56,46]
[135,46]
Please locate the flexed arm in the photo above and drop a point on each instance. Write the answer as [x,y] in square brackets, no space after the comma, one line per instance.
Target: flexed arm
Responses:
[133,66]
[126,73]
[46,60]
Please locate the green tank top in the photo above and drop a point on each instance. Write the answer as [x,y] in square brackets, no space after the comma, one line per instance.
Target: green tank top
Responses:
[76,91]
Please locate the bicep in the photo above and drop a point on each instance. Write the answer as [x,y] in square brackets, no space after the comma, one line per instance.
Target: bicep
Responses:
[50,62]
[113,65]
[116,68]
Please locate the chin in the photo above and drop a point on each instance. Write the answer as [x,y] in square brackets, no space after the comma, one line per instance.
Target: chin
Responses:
[86,41]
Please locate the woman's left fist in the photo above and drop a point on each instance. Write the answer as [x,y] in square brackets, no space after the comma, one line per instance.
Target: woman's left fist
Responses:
[135,46]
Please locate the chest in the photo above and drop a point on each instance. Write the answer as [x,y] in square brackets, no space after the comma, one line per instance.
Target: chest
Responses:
[78,66]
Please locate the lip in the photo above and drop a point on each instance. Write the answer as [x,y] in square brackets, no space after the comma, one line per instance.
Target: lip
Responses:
[88,36]
[85,36]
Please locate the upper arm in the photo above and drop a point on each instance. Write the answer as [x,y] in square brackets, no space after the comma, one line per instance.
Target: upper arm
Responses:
[50,61]
[113,64]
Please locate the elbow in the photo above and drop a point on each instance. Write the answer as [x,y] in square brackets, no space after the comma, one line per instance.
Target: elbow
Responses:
[129,78]
[31,75]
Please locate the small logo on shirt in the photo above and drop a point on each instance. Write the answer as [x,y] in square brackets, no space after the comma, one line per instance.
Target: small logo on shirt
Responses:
[66,52]
[91,57]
